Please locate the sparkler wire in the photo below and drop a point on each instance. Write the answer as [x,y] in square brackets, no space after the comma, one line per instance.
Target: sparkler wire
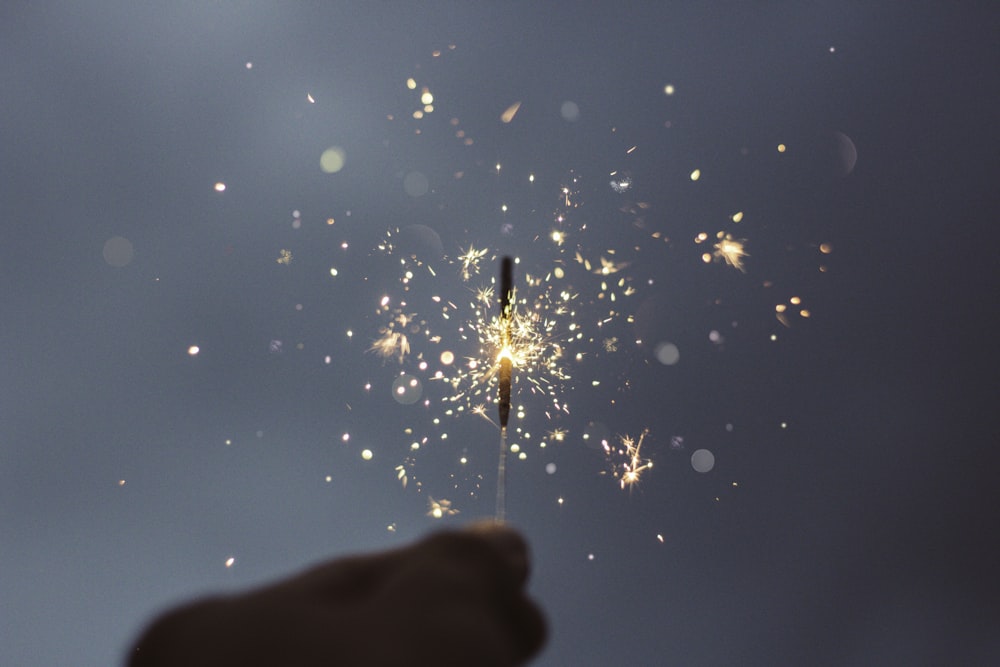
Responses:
[506,373]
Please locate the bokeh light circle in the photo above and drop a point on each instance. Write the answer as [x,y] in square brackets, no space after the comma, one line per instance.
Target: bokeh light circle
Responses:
[118,251]
[407,389]
[332,160]
[596,436]
[702,460]
[416,184]
[667,353]
[570,111]
[420,242]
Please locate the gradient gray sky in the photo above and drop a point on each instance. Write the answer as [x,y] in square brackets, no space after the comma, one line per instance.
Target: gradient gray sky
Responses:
[857,534]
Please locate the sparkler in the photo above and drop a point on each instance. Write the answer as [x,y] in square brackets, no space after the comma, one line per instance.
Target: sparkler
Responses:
[506,371]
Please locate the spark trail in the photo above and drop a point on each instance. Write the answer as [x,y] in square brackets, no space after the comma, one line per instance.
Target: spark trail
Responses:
[506,373]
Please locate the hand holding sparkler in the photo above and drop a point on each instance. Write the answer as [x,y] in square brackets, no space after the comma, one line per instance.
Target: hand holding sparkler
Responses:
[454,598]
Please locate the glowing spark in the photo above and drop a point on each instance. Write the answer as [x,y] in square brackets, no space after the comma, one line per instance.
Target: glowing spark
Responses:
[609,266]
[284,257]
[731,250]
[629,470]
[440,508]
[392,342]
[510,112]
[484,295]
[469,260]
[557,435]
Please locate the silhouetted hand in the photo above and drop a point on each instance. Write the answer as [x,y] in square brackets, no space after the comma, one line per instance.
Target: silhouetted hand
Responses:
[454,598]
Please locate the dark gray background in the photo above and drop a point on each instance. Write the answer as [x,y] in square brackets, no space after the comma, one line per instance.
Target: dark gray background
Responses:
[858,535]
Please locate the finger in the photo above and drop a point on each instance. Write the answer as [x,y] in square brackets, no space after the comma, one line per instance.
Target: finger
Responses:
[528,629]
[508,543]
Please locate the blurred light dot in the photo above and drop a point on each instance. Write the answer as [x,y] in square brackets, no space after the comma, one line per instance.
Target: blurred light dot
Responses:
[332,159]
[333,271]
[366,454]
[194,350]
[118,251]
[667,353]
[121,482]
[804,313]
[738,216]
[447,357]
[702,460]
[426,97]
[249,65]
[825,248]
[220,187]
[696,174]
[550,468]
[781,148]
[411,83]
[345,437]
[714,336]
[416,184]
[590,556]
[669,89]
[570,111]
[230,561]
[560,501]
[329,478]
